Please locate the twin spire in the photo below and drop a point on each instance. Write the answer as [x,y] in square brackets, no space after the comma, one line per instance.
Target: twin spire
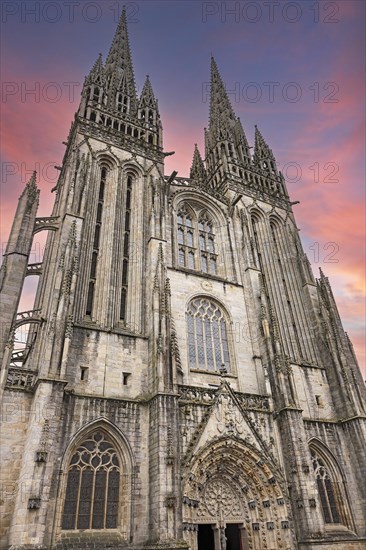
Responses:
[119,67]
[118,74]
[227,148]
[221,110]
[119,56]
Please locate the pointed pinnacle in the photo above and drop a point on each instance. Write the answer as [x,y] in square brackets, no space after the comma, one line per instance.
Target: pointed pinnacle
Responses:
[198,168]
[120,39]
[261,148]
[219,100]
[97,67]
[31,188]
[119,56]
[33,179]
[147,94]
[98,62]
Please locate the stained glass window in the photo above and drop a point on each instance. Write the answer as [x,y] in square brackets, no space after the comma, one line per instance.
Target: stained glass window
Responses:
[207,245]
[208,347]
[126,250]
[196,241]
[328,488]
[96,242]
[92,491]
[185,239]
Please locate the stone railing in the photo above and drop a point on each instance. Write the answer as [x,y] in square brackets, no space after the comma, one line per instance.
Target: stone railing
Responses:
[34,269]
[21,379]
[206,396]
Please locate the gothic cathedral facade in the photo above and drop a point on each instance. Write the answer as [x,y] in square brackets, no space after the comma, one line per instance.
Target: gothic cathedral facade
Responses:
[185,382]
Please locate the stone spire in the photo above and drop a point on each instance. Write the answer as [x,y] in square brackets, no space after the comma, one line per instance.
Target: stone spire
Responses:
[198,171]
[31,190]
[147,98]
[263,155]
[148,113]
[96,75]
[222,115]
[227,148]
[119,66]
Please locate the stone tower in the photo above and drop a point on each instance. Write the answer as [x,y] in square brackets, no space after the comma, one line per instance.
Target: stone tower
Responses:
[185,381]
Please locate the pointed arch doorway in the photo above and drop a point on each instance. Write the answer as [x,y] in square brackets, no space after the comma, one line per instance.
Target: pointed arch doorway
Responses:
[233,501]
[222,503]
[231,536]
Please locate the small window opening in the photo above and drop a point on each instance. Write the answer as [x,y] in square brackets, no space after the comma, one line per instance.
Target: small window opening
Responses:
[125,378]
[84,371]
[319,401]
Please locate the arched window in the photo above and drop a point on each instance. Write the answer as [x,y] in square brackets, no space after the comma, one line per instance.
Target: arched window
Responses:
[126,249]
[208,345]
[96,243]
[92,491]
[207,245]
[185,239]
[330,488]
[196,241]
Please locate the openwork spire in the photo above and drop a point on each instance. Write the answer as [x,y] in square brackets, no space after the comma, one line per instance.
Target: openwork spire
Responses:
[221,111]
[198,171]
[119,63]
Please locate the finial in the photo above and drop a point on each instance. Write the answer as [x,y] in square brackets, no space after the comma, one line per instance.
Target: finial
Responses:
[32,180]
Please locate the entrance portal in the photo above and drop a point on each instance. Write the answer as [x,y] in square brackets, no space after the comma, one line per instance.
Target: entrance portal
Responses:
[233,537]
[206,540]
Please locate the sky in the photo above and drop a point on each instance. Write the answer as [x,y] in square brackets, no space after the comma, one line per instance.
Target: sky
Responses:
[296,69]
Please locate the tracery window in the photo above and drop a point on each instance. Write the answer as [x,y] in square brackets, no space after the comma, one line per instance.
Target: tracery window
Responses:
[186,235]
[330,490]
[96,243]
[207,245]
[208,345]
[126,250]
[196,241]
[92,491]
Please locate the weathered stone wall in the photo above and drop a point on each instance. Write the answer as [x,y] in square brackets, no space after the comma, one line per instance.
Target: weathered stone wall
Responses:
[16,413]
[115,363]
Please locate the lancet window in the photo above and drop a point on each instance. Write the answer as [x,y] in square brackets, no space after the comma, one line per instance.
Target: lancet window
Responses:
[93,486]
[208,344]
